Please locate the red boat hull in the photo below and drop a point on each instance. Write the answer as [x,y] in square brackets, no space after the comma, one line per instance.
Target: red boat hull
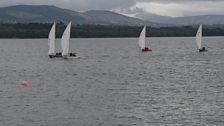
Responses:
[146,50]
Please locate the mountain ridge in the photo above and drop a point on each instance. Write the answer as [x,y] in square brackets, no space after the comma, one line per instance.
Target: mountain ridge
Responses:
[51,13]
[37,13]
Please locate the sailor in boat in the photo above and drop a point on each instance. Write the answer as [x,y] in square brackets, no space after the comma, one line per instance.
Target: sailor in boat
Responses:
[146,49]
[58,54]
[203,49]
[72,54]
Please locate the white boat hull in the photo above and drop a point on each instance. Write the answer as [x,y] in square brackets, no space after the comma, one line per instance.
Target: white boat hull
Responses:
[71,57]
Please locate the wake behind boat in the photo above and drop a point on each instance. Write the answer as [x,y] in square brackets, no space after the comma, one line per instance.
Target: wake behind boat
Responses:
[142,41]
[199,40]
[51,42]
[65,41]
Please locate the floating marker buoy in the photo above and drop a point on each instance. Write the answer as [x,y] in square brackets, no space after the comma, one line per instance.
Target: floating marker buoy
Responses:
[24,83]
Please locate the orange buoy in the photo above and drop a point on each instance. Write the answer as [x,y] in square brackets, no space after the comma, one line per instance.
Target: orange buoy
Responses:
[24,83]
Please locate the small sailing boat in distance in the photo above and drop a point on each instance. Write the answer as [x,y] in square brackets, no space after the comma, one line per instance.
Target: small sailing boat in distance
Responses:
[65,44]
[142,41]
[51,42]
[199,40]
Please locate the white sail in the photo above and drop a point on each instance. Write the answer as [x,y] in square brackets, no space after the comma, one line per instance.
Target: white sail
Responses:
[199,37]
[65,40]
[51,41]
[141,40]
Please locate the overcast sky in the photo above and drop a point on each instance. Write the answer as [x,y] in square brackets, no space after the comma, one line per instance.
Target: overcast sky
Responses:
[173,8]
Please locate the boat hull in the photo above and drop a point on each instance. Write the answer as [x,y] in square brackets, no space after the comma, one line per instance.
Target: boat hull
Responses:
[203,50]
[57,55]
[71,57]
[146,50]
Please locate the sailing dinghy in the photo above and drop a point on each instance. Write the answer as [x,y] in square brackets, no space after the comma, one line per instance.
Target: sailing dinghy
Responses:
[51,42]
[65,44]
[142,41]
[199,40]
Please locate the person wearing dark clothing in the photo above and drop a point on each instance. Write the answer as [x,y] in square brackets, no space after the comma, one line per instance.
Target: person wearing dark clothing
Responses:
[72,54]
[203,49]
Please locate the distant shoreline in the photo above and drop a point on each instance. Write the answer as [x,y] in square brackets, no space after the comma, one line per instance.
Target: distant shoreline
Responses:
[117,37]
[41,30]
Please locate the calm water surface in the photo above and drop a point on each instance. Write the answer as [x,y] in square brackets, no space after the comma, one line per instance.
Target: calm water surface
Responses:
[113,84]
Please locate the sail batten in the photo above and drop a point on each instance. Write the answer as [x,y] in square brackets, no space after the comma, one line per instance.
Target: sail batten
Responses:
[51,40]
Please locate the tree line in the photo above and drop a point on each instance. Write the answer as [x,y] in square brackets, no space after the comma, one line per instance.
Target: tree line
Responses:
[41,30]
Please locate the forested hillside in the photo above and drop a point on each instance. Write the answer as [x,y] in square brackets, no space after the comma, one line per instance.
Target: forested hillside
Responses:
[39,30]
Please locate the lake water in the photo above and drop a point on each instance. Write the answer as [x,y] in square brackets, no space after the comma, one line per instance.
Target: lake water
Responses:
[113,84]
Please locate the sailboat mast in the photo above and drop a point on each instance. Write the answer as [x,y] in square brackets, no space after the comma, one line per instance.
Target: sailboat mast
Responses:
[145,36]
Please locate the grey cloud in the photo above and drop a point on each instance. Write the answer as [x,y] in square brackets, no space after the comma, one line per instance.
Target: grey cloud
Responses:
[177,7]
